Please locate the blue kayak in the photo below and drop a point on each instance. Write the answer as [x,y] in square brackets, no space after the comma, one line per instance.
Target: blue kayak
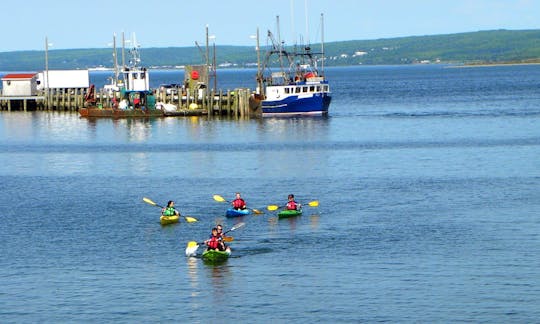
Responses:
[231,212]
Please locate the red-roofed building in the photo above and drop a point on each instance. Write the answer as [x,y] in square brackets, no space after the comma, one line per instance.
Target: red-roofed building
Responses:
[19,84]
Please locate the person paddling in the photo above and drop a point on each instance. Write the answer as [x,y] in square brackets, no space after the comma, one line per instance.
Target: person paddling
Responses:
[169,210]
[213,242]
[238,203]
[221,237]
[291,204]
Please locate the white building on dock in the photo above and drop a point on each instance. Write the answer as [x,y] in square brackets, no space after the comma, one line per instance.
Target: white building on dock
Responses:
[19,85]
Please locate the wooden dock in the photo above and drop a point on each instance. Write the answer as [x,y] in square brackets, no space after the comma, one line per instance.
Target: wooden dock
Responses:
[238,103]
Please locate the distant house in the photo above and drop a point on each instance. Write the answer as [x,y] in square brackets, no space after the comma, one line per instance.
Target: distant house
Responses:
[19,84]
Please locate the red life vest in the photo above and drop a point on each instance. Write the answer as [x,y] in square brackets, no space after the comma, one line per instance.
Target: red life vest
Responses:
[291,205]
[213,243]
[239,203]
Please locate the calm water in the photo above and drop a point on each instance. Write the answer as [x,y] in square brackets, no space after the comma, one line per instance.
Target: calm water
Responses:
[428,179]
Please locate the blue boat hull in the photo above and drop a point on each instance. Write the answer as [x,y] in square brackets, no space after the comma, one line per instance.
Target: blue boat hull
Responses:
[237,213]
[316,105]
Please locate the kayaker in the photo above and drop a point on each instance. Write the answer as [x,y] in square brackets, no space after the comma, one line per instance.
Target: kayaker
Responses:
[221,237]
[169,210]
[238,203]
[213,242]
[291,204]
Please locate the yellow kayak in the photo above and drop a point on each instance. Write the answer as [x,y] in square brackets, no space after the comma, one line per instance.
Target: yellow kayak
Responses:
[165,220]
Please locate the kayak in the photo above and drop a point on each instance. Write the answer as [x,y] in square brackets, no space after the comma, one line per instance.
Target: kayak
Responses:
[231,212]
[289,213]
[165,220]
[216,256]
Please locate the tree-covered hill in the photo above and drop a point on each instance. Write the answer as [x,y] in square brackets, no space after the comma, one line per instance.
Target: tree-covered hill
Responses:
[496,46]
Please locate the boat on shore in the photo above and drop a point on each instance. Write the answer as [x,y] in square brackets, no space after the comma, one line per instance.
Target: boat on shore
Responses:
[299,88]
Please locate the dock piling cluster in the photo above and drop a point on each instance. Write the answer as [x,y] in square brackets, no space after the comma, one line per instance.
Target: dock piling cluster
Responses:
[236,103]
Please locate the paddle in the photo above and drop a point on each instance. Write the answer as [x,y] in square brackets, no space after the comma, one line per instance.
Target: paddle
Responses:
[314,203]
[192,246]
[221,199]
[150,202]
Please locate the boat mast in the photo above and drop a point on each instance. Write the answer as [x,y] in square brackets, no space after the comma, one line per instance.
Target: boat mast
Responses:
[322,44]
[307,22]
[135,55]
[259,72]
[115,56]
[280,44]
[123,51]
[207,80]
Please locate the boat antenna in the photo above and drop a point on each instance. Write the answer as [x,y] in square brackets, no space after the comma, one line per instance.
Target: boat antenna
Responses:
[135,56]
[307,22]
[280,44]
[322,44]
[292,22]
[123,51]
[115,57]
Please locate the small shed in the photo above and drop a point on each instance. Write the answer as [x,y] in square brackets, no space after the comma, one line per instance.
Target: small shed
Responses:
[19,84]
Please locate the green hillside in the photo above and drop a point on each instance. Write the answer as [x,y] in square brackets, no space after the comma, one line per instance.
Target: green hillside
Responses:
[496,46]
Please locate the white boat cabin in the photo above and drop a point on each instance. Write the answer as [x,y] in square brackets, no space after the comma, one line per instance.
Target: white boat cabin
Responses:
[303,90]
[136,79]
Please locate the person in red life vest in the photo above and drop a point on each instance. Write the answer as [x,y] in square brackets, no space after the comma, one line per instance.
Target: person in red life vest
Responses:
[238,203]
[213,242]
[291,204]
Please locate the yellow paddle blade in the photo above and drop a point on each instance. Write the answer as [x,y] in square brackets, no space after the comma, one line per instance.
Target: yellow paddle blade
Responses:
[256,211]
[192,244]
[190,219]
[228,238]
[314,203]
[149,201]
[191,249]
[219,198]
[272,207]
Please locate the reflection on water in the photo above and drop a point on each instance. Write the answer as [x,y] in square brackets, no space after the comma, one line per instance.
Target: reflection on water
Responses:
[219,275]
[192,265]
[314,221]
[138,130]
[221,280]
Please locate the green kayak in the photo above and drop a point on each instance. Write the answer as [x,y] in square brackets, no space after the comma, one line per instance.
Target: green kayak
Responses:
[289,213]
[216,256]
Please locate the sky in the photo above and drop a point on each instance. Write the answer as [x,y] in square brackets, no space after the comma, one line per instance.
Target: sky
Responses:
[70,24]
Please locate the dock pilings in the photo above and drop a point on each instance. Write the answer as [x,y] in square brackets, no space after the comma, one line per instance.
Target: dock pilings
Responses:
[235,103]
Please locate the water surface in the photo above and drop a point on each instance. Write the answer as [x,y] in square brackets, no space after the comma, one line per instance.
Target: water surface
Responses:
[427,178]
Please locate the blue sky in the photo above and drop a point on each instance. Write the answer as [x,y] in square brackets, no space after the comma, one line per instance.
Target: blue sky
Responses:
[91,24]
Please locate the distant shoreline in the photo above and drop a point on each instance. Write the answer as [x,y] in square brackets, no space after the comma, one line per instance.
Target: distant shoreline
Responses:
[496,64]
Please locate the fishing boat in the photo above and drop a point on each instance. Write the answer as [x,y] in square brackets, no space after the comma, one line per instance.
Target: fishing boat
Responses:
[214,256]
[134,103]
[130,97]
[289,213]
[299,88]
[231,212]
[166,220]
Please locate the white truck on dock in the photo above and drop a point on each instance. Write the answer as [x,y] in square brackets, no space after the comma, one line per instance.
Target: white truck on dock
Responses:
[58,79]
